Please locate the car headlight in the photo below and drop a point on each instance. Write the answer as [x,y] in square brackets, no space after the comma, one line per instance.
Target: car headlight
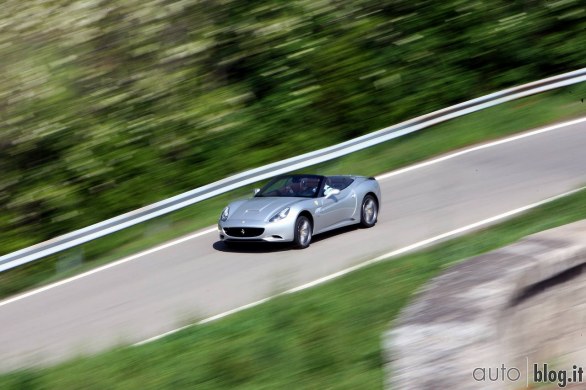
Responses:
[280,215]
[225,214]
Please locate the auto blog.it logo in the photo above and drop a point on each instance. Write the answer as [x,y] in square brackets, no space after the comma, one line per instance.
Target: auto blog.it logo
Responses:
[541,373]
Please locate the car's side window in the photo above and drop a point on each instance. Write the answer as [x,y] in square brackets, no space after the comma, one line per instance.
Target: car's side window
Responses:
[335,182]
[340,182]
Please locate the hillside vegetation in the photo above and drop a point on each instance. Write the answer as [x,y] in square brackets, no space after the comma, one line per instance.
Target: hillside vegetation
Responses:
[107,106]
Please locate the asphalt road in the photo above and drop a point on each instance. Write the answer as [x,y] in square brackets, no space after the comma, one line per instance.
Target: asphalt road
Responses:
[199,277]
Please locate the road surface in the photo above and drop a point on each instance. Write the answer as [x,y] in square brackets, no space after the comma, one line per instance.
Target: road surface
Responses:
[198,277]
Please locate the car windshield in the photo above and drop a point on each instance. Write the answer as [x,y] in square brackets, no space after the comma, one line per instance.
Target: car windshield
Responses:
[302,186]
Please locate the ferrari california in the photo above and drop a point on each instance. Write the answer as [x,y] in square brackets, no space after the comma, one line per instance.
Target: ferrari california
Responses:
[295,207]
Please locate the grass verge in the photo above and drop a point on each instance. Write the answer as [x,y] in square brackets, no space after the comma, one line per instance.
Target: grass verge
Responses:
[325,337]
[492,123]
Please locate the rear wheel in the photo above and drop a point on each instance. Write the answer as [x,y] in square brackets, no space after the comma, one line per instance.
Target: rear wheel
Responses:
[369,211]
[302,235]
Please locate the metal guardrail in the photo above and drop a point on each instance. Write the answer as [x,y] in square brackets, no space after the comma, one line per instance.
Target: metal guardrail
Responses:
[188,198]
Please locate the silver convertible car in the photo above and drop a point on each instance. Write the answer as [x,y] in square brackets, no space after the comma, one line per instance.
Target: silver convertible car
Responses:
[293,208]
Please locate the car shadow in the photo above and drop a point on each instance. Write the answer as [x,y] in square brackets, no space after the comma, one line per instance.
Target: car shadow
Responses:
[268,247]
[252,247]
[335,232]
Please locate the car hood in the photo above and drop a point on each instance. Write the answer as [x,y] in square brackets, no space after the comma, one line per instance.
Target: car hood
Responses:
[261,208]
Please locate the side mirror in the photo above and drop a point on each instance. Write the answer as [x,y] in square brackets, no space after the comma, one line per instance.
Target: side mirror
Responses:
[332,192]
[255,191]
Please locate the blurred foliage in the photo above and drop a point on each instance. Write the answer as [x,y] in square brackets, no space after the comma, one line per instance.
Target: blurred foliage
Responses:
[107,106]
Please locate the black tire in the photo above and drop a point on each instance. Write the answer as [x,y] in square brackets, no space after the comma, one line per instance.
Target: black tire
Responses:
[303,232]
[368,211]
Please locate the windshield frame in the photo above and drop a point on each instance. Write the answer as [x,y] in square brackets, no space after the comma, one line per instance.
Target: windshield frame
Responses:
[260,194]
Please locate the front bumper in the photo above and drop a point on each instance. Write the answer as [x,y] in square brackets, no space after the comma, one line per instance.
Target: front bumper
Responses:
[280,231]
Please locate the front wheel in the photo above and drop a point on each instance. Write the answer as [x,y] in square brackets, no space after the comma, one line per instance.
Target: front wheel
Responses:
[369,211]
[302,235]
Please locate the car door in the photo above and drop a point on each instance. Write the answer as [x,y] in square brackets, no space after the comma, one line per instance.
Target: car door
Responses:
[336,209]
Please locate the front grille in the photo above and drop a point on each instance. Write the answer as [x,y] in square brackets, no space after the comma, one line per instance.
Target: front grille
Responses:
[244,231]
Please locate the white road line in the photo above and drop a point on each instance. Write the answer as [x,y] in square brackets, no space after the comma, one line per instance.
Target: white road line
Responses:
[213,229]
[102,268]
[480,147]
[209,319]
[394,253]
